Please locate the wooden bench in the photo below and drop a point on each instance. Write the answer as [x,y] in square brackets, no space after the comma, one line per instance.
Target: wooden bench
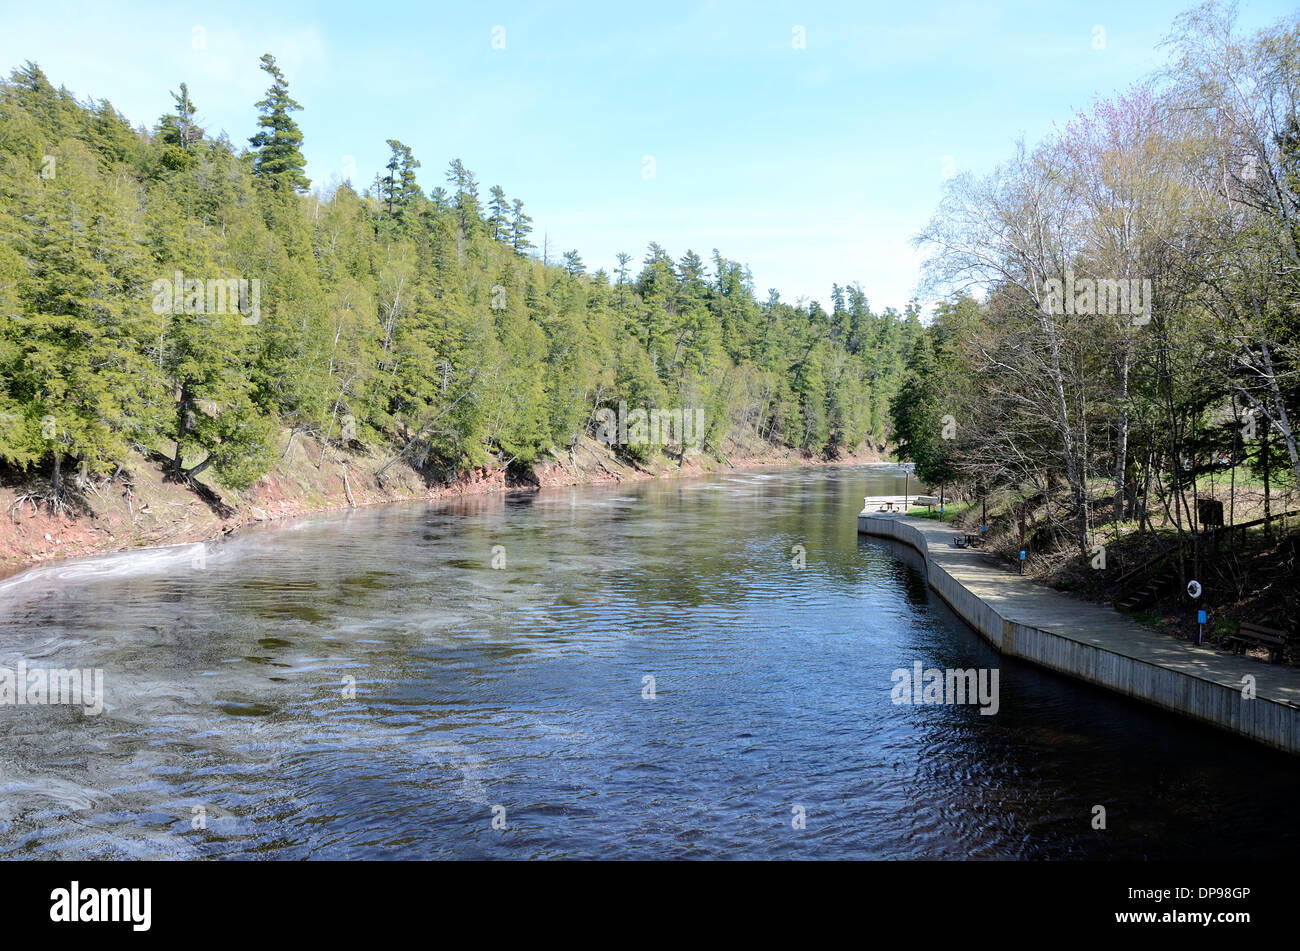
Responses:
[1256,635]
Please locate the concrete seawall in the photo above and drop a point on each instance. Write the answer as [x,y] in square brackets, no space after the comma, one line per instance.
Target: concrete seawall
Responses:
[1097,644]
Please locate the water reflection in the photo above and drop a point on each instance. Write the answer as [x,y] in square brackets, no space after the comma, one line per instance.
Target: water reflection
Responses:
[367,685]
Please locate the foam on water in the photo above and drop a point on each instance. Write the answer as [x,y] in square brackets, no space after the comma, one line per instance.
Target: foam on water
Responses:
[366,685]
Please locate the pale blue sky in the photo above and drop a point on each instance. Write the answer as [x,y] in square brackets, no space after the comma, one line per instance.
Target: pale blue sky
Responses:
[813,165]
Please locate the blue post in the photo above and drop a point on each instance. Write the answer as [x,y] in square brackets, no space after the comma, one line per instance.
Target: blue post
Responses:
[1022,561]
[1200,626]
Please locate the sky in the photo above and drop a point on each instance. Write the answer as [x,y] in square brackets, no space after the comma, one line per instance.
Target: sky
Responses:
[810,141]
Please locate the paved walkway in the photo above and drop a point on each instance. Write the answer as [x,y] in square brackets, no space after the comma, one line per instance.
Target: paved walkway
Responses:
[1022,601]
[874,504]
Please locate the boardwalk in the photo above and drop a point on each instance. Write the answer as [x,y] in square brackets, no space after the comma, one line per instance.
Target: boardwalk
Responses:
[1097,643]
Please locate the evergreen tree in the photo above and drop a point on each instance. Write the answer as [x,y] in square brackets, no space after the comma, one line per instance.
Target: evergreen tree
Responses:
[179,128]
[498,214]
[384,319]
[465,197]
[521,226]
[278,159]
[399,191]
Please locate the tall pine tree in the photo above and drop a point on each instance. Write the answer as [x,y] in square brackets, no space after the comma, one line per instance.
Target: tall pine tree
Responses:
[278,160]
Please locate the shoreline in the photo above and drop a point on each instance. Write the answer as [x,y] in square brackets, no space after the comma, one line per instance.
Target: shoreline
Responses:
[131,521]
[1098,645]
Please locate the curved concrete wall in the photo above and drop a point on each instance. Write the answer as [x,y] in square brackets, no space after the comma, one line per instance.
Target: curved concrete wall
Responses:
[1268,721]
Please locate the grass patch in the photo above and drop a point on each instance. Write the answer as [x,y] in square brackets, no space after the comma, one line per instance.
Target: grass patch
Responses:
[950,511]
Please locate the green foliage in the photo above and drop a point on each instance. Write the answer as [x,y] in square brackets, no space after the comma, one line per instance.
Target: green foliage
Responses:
[399,193]
[279,160]
[396,318]
[918,410]
[1180,193]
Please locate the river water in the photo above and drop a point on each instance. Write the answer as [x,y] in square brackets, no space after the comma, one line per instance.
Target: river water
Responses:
[369,685]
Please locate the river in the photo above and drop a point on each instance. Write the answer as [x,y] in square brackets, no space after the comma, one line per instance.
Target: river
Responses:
[645,673]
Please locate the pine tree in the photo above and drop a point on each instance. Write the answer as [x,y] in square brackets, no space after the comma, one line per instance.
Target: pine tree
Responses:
[400,192]
[465,199]
[573,265]
[179,128]
[278,160]
[498,214]
[622,273]
[521,226]
[384,318]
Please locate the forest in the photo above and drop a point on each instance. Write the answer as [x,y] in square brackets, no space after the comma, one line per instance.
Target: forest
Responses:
[1115,370]
[166,293]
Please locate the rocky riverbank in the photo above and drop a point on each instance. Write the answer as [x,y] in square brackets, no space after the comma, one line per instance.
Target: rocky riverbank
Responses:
[143,507]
